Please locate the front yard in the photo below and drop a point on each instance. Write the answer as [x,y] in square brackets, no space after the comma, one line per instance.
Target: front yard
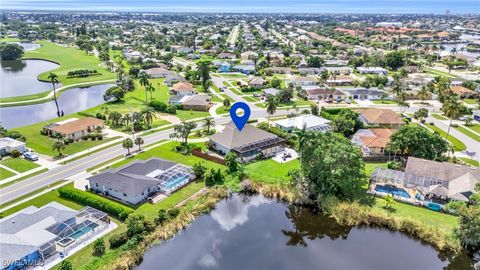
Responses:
[19,164]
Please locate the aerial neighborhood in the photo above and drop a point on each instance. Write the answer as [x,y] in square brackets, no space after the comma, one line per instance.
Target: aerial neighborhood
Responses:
[122,135]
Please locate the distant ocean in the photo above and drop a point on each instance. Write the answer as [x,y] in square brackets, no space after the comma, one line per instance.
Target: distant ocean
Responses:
[254,6]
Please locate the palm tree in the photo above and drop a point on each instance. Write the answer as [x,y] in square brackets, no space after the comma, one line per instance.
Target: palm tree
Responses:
[452,109]
[150,88]
[468,121]
[226,103]
[143,80]
[148,114]
[139,141]
[203,71]
[127,144]
[126,119]
[54,80]
[424,94]
[58,146]
[272,103]
[209,123]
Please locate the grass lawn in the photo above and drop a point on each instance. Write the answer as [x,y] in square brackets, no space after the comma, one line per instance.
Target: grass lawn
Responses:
[69,58]
[475,128]
[442,221]
[228,75]
[457,144]
[469,133]
[439,116]
[4,173]
[470,101]
[222,110]
[2,185]
[251,99]
[470,161]
[379,101]
[438,73]
[19,164]
[9,39]
[270,171]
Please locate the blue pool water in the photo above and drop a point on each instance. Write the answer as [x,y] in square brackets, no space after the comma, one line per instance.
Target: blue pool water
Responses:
[393,190]
[174,182]
[83,231]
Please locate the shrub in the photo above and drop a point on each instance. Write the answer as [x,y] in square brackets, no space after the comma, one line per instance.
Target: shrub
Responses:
[98,247]
[118,240]
[173,212]
[99,136]
[158,105]
[43,132]
[85,137]
[15,153]
[394,165]
[82,197]
[171,109]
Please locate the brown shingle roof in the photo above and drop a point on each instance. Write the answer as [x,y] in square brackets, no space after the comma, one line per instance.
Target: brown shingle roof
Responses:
[461,90]
[77,125]
[380,138]
[182,86]
[380,116]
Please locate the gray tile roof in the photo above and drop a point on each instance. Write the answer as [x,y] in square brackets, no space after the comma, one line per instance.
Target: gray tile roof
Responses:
[231,138]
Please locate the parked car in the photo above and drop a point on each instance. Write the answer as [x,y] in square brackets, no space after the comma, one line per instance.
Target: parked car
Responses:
[30,156]
[222,89]
[347,101]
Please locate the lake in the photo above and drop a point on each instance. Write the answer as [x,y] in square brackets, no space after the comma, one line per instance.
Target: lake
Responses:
[19,77]
[258,233]
[71,101]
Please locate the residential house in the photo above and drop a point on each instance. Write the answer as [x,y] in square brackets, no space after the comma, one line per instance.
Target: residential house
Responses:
[7,145]
[308,122]
[138,180]
[309,71]
[373,141]
[173,78]
[324,94]
[384,118]
[432,183]
[476,115]
[183,88]
[340,80]
[338,70]
[463,92]
[248,144]
[278,70]
[304,82]
[372,70]
[256,82]
[245,69]
[249,55]
[196,102]
[158,72]
[368,94]
[270,92]
[74,128]
[226,55]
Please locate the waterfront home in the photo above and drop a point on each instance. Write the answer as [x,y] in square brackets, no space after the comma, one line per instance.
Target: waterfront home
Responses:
[384,118]
[305,121]
[158,72]
[141,179]
[74,128]
[324,94]
[35,235]
[7,145]
[372,141]
[428,182]
[248,144]
[372,70]
[183,88]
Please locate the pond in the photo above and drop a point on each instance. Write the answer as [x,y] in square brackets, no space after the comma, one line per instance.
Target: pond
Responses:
[71,101]
[246,232]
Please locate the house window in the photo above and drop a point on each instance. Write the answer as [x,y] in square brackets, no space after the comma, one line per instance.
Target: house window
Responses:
[96,184]
[125,194]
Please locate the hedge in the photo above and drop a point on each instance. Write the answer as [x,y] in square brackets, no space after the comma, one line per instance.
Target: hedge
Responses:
[85,198]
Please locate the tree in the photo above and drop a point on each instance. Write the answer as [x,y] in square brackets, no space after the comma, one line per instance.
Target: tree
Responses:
[285,95]
[139,142]
[99,247]
[330,166]
[395,59]
[275,82]
[417,142]
[314,61]
[468,121]
[314,109]
[468,231]
[389,202]
[115,93]
[346,122]
[199,170]
[182,130]
[127,144]
[115,118]
[424,93]
[324,75]
[272,103]
[203,71]
[421,114]
[143,80]
[58,146]
[54,80]
[231,162]
[452,109]
[209,122]
[135,224]
[161,217]
[148,114]
[226,103]
[10,51]
[65,265]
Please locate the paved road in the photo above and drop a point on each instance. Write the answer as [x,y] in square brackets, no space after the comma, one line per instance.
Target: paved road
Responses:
[37,182]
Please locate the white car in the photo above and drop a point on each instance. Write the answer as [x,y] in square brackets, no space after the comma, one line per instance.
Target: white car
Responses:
[30,156]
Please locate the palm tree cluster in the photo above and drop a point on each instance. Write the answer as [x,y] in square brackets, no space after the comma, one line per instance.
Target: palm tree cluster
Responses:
[138,120]
[149,88]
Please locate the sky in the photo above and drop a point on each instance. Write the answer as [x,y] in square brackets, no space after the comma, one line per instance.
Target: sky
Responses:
[253,6]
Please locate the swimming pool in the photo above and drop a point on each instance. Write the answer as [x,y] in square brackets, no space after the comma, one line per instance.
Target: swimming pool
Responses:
[83,231]
[393,190]
[175,181]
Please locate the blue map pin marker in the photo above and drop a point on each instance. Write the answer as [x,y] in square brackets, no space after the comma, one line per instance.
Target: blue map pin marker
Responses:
[240,121]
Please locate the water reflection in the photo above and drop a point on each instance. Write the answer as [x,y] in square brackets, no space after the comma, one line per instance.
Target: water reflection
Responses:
[19,77]
[257,233]
[71,101]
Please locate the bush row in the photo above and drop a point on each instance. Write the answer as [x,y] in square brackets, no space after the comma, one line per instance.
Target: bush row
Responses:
[82,73]
[110,207]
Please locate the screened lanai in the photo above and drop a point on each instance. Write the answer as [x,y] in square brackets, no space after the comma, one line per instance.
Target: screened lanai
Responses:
[175,177]
[402,179]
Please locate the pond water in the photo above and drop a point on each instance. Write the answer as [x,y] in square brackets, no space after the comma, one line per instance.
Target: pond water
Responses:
[257,233]
[70,101]
[19,77]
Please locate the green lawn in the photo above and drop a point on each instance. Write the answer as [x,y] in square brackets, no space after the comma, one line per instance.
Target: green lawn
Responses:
[457,144]
[69,58]
[471,161]
[236,75]
[442,221]
[471,101]
[4,173]
[469,133]
[2,185]
[438,73]
[270,171]
[19,164]
[379,101]
[222,110]
[475,128]
[439,116]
